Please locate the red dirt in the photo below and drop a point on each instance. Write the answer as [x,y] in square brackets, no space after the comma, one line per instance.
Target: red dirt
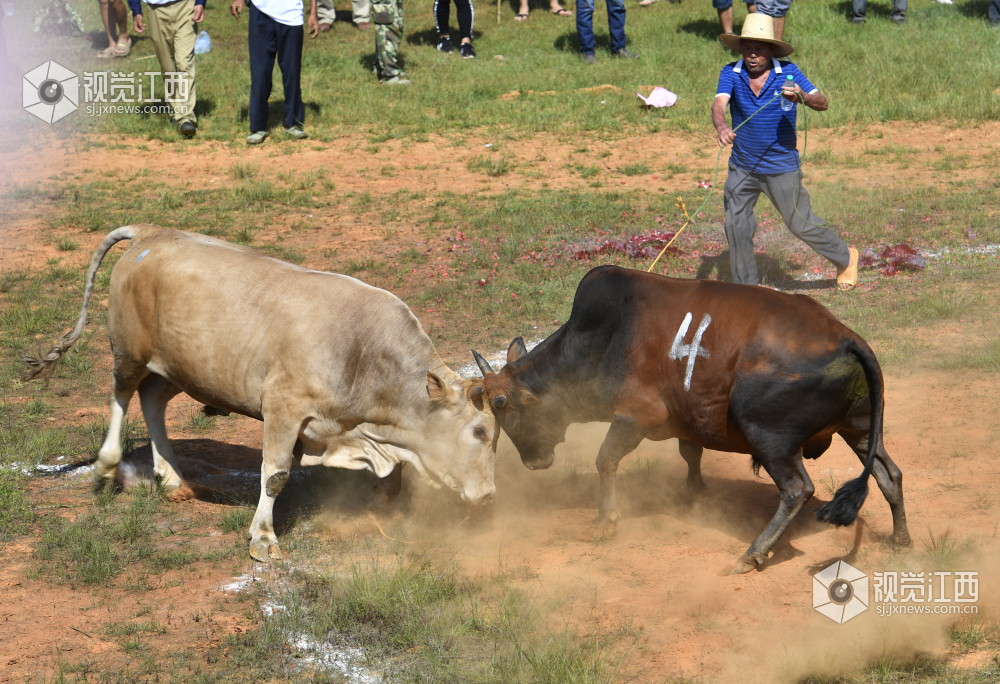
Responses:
[665,572]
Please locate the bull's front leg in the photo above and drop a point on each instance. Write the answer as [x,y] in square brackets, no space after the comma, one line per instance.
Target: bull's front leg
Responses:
[622,438]
[280,435]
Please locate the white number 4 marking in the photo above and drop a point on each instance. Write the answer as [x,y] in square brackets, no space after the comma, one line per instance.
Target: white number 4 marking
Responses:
[691,351]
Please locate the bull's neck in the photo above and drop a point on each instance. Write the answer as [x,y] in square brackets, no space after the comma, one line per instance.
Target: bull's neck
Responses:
[556,371]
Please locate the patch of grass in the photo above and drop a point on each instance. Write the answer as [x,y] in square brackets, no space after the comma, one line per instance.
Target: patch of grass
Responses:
[120,628]
[282,252]
[16,515]
[637,169]
[984,358]
[492,165]
[945,550]
[67,245]
[172,560]
[243,170]
[99,544]
[972,635]
[199,422]
[236,519]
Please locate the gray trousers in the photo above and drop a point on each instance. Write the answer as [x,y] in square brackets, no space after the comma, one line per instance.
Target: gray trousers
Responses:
[361,10]
[860,7]
[740,196]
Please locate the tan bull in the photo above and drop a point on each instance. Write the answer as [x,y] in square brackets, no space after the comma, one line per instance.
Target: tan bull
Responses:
[338,366]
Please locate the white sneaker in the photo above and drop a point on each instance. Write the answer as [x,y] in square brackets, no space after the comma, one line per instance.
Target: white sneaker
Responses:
[8,7]
[944,2]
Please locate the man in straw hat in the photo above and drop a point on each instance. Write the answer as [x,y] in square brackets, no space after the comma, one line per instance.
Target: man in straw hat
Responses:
[764,158]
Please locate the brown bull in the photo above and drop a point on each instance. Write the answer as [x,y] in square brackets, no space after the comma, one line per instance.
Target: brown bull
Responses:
[719,366]
[338,371]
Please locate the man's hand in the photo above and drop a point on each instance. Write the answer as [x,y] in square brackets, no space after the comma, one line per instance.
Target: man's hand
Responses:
[138,24]
[313,26]
[726,136]
[236,8]
[793,92]
[199,14]
[816,100]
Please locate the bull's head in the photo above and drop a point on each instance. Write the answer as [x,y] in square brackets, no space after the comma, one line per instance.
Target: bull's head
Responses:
[533,425]
[460,438]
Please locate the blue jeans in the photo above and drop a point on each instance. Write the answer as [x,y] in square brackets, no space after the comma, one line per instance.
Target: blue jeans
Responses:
[585,24]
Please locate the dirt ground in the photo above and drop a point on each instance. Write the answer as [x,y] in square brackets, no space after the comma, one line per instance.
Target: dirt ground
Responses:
[665,573]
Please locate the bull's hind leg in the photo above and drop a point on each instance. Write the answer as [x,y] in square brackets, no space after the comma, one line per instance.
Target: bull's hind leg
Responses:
[890,481]
[796,489]
[155,393]
[621,439]
[280,435]
[110,455]
[691,453]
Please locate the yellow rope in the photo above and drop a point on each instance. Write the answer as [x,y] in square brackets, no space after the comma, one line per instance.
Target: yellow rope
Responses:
[402,541]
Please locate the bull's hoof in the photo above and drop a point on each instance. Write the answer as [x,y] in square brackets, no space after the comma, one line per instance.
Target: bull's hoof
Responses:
[607,528]
[264,551]
[181,493]
[103,479]
[743,566]
[903,541]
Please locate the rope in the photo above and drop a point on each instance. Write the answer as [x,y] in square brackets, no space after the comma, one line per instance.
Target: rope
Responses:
[715,180]
[432,543]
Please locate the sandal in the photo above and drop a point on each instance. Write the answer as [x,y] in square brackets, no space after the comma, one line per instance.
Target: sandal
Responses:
[563,12]
[646,3]
[123,49]
[106,53]
[520,17]
[848,278]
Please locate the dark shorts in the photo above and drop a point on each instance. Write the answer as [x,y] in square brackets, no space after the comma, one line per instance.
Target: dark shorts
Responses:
[774,8]
[724,4]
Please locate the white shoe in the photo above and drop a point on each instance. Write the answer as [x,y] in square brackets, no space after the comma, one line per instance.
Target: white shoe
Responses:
[8,7]
[944,2]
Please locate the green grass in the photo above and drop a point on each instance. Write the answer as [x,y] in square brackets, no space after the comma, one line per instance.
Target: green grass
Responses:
[236,519]
[857,69]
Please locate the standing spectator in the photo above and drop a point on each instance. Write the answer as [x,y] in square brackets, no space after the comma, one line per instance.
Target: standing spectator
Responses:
[616,27]
[115,15]
[276,31]
[327,14]
[777,9]
[554,7]
[388,18]
[725,10]
[172,29]
[466,17]
[898,15]
[764,158]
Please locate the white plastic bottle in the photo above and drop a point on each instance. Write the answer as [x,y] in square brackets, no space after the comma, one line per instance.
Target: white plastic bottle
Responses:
[786,104]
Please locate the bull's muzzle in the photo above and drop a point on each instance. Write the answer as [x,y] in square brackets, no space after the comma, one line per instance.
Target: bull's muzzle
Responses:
[484,496]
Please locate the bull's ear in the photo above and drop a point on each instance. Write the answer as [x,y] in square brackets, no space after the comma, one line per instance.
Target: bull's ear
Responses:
[526,398]
[440,391]
[516,350]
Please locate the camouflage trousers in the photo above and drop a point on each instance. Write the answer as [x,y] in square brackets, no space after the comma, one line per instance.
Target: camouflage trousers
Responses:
[387,16]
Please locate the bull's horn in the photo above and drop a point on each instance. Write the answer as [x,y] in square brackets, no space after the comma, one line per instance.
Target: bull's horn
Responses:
[484,366]
[500,401]
[477,392]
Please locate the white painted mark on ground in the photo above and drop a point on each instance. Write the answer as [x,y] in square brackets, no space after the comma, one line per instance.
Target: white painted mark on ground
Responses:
[692,351]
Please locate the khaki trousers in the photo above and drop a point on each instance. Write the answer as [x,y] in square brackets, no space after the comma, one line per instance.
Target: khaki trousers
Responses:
[172,31]
[361,10]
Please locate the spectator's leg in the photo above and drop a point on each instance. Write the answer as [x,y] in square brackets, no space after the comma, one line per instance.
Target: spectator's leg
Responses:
[263,48]
[858,10]
[616,24]
[994,12]
[898,10]
[326,13]
[442,15]
[466,18]
[725,10]
[785,190]
[182,43]
[109,19]
[585,25]
[158,30]
[388,17]
[739,197]
[361,9]
[779,27]
[523,10]
[289,44]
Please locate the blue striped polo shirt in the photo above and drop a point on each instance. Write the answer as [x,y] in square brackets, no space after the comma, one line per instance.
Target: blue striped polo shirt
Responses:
[767,143]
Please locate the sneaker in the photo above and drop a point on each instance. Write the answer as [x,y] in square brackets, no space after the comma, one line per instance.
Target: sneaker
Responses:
[396,80]
[466,50]
[8,7]
[296,132]
[188,129]
[325,26]
[445,45]
[625,54]
[256,138]
[857,21]
[589,58]
[898,21]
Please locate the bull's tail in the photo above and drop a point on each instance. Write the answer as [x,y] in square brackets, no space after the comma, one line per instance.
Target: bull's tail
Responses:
[44,365]
[846,503]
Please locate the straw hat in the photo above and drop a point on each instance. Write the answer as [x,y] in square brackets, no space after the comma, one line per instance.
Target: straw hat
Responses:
[759,27]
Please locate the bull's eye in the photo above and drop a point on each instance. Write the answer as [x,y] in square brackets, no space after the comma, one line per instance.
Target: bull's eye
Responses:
[480,433]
